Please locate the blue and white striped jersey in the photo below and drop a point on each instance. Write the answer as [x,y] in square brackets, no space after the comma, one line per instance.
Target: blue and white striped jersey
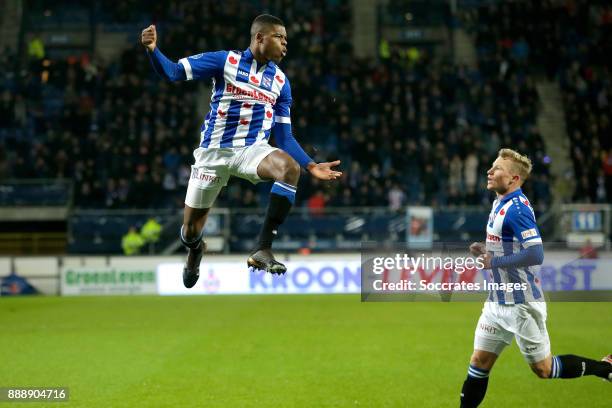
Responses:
[512,227]
[247,99]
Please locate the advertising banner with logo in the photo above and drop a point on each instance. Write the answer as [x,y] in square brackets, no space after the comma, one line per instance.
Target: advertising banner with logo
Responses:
[107,281]
[235,278]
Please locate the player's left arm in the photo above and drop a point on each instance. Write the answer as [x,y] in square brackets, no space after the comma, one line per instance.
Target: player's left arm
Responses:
[285,140]
[520,223]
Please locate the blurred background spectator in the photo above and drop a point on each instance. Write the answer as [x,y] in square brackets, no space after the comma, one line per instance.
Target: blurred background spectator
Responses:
[398,124]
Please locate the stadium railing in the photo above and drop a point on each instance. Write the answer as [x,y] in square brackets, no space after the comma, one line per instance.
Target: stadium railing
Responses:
[235,229]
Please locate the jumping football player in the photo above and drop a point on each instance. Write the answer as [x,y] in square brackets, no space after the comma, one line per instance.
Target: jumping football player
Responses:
[513,253]
[251,96]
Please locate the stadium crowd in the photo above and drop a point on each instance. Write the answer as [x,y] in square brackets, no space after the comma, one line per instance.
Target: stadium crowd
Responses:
[408,130]
[571,45]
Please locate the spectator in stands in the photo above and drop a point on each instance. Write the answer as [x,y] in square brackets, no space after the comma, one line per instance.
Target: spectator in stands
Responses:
[36,47]
[132,242]
[317,203]
[150,233]
[396,197]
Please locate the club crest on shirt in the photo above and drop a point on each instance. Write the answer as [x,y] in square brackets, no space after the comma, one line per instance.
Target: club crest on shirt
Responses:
[266,82]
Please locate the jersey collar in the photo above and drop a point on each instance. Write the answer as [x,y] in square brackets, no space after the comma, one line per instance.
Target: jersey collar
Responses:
[248,55]
[510,196]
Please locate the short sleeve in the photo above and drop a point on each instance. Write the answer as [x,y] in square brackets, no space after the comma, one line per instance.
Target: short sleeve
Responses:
[520,224]
[282,107]
[205,65]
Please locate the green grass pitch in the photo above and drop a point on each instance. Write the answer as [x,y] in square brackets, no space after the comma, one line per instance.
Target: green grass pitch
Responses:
[280,351]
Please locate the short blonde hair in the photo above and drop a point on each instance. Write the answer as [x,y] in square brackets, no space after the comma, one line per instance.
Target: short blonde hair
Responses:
[522,164]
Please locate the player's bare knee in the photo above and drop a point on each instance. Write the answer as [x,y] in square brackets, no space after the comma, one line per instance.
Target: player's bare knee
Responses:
[290,171]
[541,371]
[193,222]
[476,361]
[483,361]
[190,230]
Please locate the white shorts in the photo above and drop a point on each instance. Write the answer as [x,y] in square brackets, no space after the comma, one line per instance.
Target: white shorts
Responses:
[213,168]
[498,324]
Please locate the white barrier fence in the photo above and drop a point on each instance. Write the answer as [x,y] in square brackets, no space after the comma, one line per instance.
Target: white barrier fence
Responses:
[225,274]
[303,276]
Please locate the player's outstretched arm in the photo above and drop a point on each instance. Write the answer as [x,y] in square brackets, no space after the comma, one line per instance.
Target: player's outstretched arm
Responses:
[161,64]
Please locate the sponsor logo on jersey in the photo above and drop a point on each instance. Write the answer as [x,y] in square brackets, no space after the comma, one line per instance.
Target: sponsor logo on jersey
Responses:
[529,233]
[494,238]
[240,93]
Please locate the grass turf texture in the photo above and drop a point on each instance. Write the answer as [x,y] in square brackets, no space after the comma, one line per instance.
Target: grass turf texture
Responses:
[278,351]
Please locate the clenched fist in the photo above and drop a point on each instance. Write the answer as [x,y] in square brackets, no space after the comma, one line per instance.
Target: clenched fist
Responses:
[478,248]
[149,37]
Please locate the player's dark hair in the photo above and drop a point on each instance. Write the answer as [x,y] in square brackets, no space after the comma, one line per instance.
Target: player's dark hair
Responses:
[265,20]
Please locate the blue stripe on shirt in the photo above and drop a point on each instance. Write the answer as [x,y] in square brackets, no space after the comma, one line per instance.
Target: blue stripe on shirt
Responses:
[219,89]
[244,69]
[513,274]
[534,287]
[231,123]
[256,123]
[501,299]
[211,124]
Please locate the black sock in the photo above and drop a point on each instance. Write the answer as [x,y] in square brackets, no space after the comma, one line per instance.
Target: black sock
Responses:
[474,387]
[278,208]
[571,366]
[193,244]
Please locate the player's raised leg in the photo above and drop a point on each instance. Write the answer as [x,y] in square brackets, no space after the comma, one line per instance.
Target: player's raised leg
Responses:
[475,385]
[533,341]
[285,172]
[572,366]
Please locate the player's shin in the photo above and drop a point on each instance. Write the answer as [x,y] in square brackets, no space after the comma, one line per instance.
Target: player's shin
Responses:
[195,246]
[572,366]
[474,387]
[282,197]
[193,243]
